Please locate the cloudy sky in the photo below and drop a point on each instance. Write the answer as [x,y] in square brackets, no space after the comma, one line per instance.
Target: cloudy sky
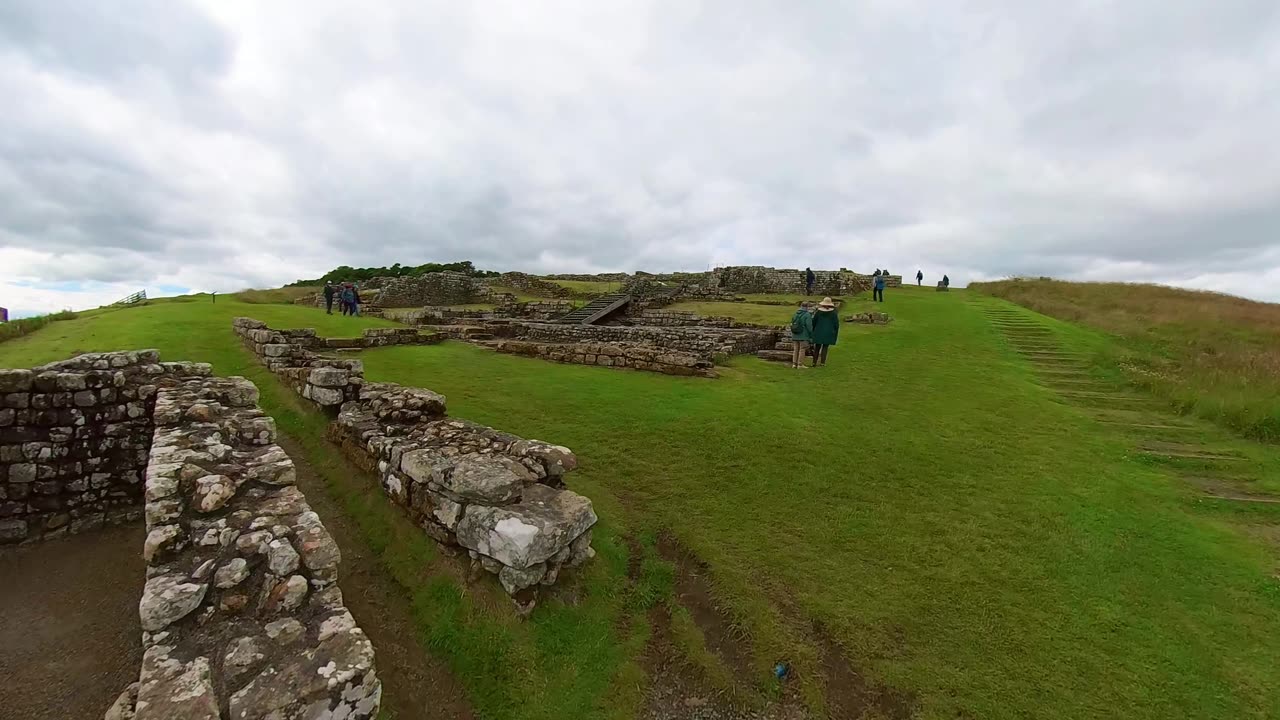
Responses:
[218,145]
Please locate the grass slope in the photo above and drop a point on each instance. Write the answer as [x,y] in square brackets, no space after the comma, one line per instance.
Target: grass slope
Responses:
[963,536]
[1212,355]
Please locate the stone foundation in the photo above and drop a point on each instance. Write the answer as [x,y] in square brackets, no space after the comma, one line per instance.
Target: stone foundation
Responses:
[288,353]
[241,612]
[675,318]
[701,342]
[498,496]
[535,286]
[755,279]
[870,318]
[615,355]
[74,438]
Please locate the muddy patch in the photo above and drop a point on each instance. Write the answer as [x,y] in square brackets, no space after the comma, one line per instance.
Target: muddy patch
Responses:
[724,638]
[849,693]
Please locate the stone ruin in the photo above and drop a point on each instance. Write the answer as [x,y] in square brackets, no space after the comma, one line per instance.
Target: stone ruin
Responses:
[241,612]
[499,497]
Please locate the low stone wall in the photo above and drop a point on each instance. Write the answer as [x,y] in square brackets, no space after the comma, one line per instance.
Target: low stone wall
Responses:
[676,318]
[602,277]
[870,318]
[288,353]
[241,612]
[537,310]
[616,355]
[702,342]
[532,285]
[74,437]
[498,496]
[890,281]
[756,279]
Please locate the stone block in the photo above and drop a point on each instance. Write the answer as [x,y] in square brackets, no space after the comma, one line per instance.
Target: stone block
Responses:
[13,530]
[327,377]
[15,381]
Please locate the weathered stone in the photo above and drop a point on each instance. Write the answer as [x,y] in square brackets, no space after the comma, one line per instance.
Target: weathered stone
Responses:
[212,492]
[319,551]
[327,377]
[490,479]
[529,532]
[325,396]
[171,689]
[123,707]
[285,631]
[15,381]
[243,654]
[282,559]
[167,599]
[287,594]
[339,668]
[513,580]
[254,542]
[22,473]
[13,530]
[162,539]
[231,574]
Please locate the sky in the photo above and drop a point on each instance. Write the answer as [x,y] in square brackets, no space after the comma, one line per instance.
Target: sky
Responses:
[179,145]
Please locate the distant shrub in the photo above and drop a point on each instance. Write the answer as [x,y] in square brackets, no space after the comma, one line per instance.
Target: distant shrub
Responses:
[18,328]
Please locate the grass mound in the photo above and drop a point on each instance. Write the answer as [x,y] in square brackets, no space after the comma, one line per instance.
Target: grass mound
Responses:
[1210,354]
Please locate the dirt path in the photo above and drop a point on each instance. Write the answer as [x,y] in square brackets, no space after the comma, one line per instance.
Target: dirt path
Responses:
[415,684]
[69,634]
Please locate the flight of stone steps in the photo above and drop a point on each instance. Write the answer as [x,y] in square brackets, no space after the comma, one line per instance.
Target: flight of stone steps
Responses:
[1197,452]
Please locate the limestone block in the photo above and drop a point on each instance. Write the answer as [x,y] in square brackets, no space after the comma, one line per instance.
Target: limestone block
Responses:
[529,532]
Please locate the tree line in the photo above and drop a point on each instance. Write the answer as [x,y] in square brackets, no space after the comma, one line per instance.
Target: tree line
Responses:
[346,273]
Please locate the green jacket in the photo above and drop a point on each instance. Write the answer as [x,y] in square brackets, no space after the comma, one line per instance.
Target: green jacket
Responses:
[806,334]
[826,327]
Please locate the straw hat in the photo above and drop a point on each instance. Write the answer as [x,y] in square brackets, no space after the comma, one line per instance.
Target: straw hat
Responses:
[826,305]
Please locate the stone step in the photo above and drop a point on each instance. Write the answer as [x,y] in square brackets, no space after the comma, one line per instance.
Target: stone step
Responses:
[1190,452]
[774,355]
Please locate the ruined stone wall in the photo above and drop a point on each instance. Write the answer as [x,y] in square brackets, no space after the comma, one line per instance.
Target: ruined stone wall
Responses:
[74,437]
[442,288]
[498,496]
[533,285]
[677,318]
[616,355]
[869,318]
[756,279]
[241,613]
[538,310]
[288,353]
[703,342]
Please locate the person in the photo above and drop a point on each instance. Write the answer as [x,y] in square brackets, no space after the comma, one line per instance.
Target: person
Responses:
[329,292]
[876,273]
[877,294]
[808,281]
[826,330]
[946,281]
[801,334]
[348,298]
[919,277]
[355,300]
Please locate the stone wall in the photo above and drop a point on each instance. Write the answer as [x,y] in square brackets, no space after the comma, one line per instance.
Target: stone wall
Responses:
[616,355]
[241,613]
[535,286]
[869,318]
[702,342]
[677,318]
[602,277]
[756,279]
[289,354]
[442,288]
[74,437]
[495,495]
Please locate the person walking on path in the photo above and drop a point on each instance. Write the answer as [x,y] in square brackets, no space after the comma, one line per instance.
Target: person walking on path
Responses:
[919,277]
[347,297]
[826,330]
[801,334]
[329,292]
[355,300]
[877,294]
[808,281]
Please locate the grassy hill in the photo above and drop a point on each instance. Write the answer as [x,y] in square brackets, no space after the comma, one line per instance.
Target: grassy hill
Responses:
[1212,355]
[923,527]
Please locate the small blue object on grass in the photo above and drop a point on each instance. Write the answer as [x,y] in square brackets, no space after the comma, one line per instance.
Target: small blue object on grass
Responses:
[781,671]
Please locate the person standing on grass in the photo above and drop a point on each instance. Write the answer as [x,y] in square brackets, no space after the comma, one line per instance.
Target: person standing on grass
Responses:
[329,292]
[808,281]
[826,330]
[919,277]
[348,297]
[877,294]
[946,281]
[801,334]
[355,300]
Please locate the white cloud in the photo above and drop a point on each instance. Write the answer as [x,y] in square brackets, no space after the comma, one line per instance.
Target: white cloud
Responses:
[230,143]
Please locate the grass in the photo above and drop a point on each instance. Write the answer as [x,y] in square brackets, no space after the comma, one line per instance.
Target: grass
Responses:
[1212,355]
[593,288]
[963,536]
[742,312]
[24,326]
[284,295]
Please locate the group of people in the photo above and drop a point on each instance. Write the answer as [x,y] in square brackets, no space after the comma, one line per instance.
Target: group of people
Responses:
[879,279]
[348,297]
[814,329]
[946,281]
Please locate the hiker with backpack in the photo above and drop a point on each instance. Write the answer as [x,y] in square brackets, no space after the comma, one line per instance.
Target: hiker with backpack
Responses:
[826,330]
[919,277]
[801,334]
[347,297]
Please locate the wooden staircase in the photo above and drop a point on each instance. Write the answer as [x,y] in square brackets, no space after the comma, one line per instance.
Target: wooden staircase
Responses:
[596,310]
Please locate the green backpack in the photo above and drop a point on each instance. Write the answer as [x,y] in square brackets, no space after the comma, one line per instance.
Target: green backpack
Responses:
[797,322]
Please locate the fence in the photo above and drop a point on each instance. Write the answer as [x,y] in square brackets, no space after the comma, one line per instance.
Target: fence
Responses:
[136,297]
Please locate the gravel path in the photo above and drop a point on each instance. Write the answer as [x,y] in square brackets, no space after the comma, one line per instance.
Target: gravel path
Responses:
[69,634]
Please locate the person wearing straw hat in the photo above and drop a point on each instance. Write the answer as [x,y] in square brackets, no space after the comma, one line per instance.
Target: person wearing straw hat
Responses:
[801,334]
[826,330]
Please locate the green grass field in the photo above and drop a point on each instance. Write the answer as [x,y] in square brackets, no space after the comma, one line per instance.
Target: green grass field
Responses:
[964,536]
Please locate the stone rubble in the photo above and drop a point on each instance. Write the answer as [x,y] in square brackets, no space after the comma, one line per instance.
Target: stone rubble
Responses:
[241,612]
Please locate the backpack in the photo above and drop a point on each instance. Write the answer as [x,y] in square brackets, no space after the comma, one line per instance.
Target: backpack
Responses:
[797,322]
